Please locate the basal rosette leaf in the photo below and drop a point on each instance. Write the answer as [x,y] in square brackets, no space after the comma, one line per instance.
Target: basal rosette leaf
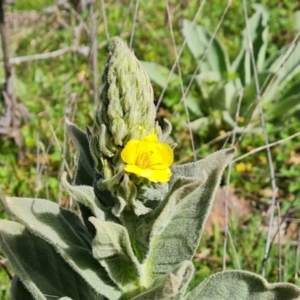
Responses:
[242,285]
[65,232]
[18,291]
[258,26]
[43,272]
[198,39]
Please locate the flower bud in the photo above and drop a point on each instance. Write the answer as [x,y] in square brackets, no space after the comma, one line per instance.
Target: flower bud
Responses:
[126,110]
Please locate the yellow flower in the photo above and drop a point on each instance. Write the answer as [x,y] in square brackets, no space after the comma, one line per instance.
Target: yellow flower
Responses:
[148,158]
[242,167]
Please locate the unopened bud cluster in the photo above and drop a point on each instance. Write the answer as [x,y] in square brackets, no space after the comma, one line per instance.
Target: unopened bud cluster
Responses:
[126,109]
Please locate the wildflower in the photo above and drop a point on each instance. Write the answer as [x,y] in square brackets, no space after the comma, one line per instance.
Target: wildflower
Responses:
[148,158]
[242,167]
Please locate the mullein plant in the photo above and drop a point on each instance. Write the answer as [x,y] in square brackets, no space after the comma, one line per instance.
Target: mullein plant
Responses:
[140,219]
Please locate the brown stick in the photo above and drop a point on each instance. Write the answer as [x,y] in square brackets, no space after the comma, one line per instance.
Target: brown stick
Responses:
[93,53]
[9,123]
[7,66]
[5,268]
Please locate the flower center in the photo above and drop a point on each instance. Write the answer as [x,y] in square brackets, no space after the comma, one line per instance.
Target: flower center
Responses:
[143,160]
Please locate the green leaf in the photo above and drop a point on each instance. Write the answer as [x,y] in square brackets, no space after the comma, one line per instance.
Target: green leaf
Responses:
[193,104]
[290,67]
[85,170]
[181,217]
[159,74]
[207,82]
[259,31]
[83,194]
[250,94]
[111,246]
[241,285]
[297,20]
[292,91]
[65,232]
[20,87]
[258,26]
[198,124]
[226,117]
[221,96]
[286,66]
[287,105]
[170,285]
[18,291]
[274,57]
[242,66]
[198,39]
[41,269]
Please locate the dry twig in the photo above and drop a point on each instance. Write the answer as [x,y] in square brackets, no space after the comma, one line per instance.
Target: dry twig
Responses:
[93,52]
[10,121]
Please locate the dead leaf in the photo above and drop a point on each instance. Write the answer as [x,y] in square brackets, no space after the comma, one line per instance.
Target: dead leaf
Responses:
[239,209]
[294,158]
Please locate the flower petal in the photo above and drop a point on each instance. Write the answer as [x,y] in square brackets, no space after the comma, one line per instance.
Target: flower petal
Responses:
[148,158]
[161,155]
[151,138]
[162,176]
[138,171]
[129,153]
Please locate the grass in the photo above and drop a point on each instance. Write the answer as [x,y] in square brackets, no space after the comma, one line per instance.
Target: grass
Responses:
[60,87]
[32,5]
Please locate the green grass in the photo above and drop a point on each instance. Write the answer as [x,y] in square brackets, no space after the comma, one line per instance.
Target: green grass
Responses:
[33,5]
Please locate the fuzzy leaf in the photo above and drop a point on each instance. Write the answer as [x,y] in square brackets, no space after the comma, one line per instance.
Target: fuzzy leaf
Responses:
[198,124]
[258,26]
[241,285]
[170,285]
[293,90]
[159,74]
[85,167]
[221,97]
[85,170]
[177,230]
[111,246]
[198,39]
[41,269]
[18,291]
[287,66]
[250,94]
[287,105]
[83,194]
[64,230]
[259,34]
